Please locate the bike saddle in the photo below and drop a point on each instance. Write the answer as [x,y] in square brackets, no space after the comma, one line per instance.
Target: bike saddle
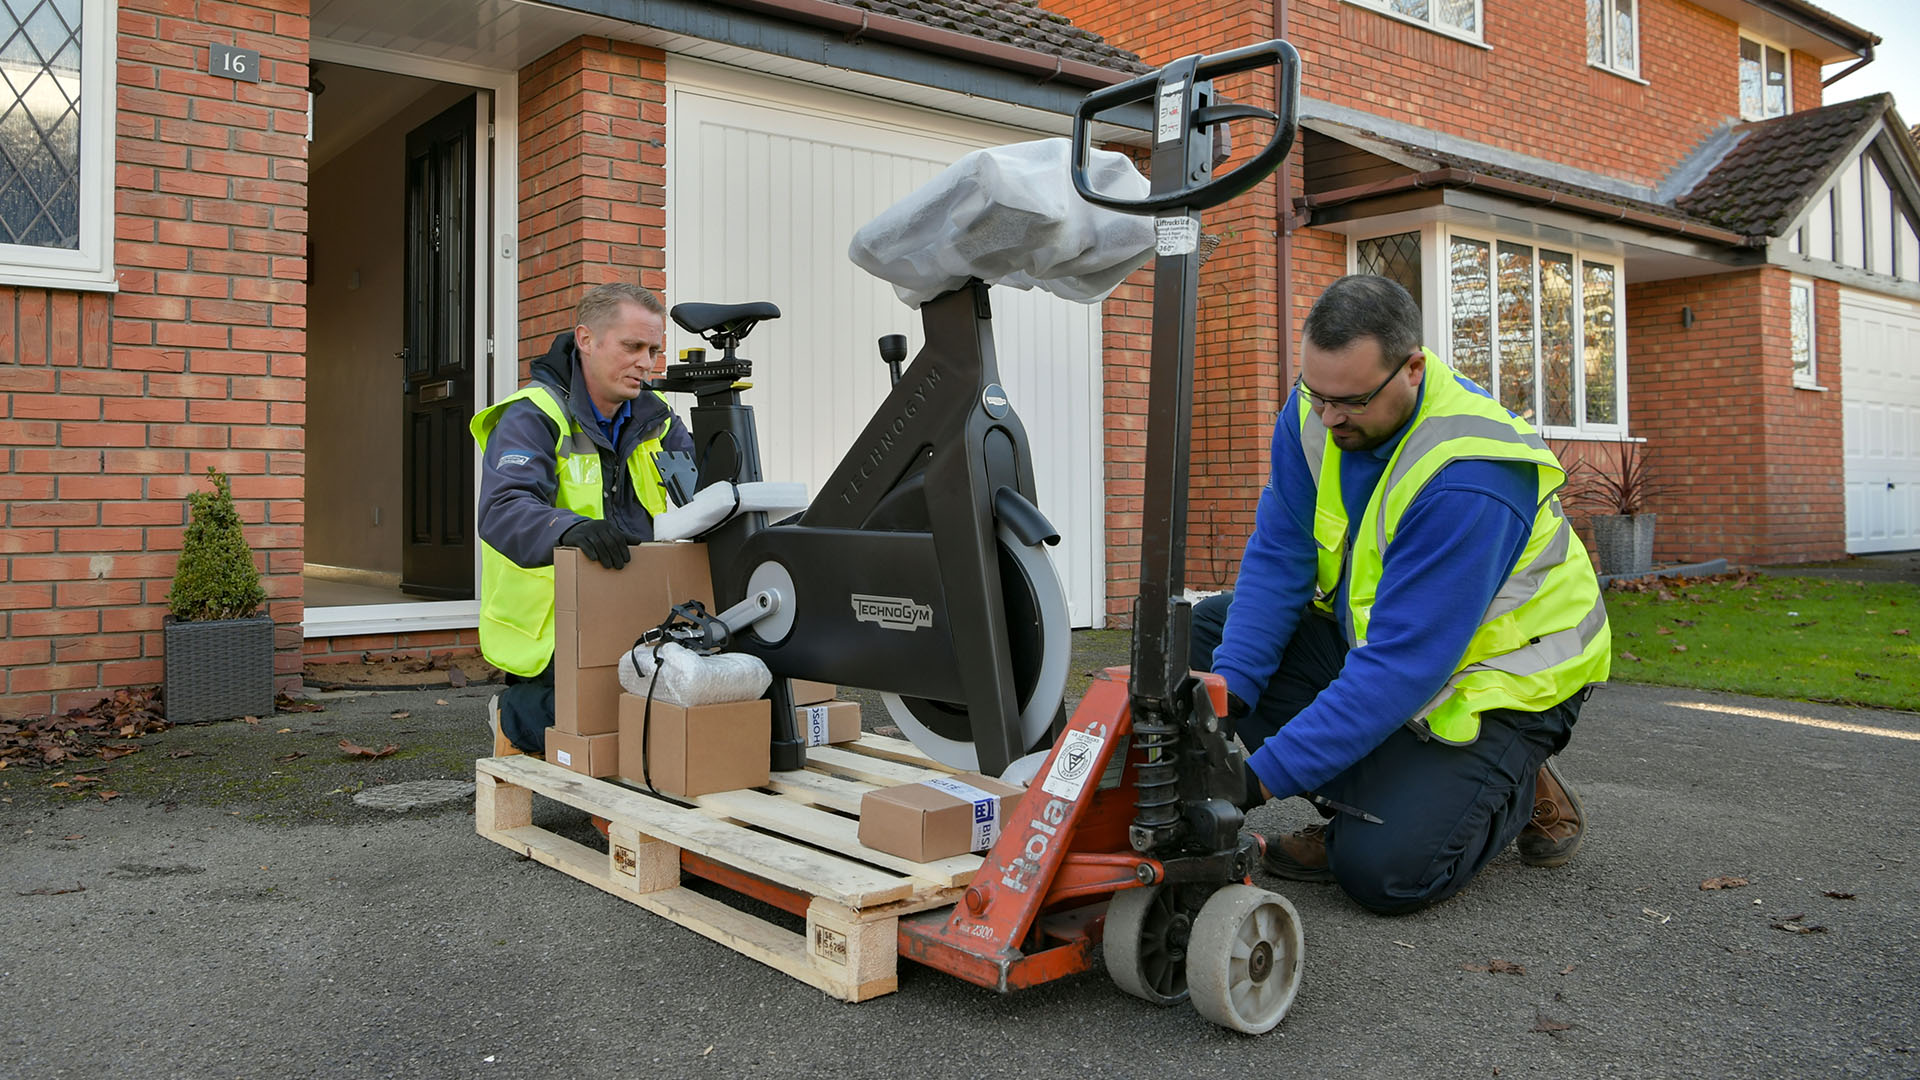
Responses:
[733,320]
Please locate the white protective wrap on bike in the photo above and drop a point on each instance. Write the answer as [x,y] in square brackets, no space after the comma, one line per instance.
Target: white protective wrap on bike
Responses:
[1008,215]
[717,503]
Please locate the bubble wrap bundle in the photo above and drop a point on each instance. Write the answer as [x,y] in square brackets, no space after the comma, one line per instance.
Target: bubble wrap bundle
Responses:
[1009,215]
[686,678]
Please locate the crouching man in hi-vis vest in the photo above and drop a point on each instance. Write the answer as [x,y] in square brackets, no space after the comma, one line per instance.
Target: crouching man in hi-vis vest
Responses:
[1415,625]
[568,462]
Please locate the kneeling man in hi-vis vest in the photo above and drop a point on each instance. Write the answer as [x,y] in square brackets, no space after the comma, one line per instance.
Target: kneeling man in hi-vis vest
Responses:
[1415,625]
[568,462]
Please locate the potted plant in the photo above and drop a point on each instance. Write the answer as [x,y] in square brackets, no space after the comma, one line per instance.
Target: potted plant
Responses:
[1615,486]
[219,645]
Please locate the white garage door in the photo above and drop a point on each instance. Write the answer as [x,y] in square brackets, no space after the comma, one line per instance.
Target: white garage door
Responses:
[767,181]
[1880,398]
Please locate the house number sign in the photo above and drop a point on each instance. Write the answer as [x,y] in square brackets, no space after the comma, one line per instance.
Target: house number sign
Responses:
[232,63]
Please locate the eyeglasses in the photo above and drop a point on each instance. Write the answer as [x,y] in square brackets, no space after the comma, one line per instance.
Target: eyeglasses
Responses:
[1352,406]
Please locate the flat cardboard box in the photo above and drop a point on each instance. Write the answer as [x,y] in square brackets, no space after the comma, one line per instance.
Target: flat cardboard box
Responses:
[807,692]
[827,723]
[586,701]
[935,819]
[695,751]
[592,755]
[599,613]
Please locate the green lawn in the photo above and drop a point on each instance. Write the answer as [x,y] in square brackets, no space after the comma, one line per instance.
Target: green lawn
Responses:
[1806,638]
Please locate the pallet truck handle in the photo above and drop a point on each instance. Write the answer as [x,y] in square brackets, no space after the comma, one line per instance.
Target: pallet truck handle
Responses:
[1173,77]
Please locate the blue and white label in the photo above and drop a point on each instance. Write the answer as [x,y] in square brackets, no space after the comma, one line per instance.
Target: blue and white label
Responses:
[816,725]
[986,809]
[510,458]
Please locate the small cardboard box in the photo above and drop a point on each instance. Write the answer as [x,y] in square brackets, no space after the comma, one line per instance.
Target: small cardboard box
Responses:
[827,723]
[599,613]
[934,819]
[688,752]
[593,755]
[807,692]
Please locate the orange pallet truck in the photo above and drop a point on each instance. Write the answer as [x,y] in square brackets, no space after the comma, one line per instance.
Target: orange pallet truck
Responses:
[1131,831]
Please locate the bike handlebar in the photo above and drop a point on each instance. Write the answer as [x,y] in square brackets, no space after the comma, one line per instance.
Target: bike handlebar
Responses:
[1275,53]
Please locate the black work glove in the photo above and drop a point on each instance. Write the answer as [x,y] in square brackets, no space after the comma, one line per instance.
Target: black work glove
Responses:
[1237,711]
[601,541]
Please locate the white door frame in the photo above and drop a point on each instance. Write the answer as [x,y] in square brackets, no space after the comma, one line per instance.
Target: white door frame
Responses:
[496,312]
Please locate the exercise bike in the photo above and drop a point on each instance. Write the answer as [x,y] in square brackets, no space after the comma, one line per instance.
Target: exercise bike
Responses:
[919,570]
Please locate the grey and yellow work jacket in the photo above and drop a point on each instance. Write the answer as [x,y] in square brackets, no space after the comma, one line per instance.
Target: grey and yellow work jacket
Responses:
[545,466]
[1545,634]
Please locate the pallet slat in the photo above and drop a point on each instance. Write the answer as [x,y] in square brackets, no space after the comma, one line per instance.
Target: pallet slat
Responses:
[832,759]
[832,831]
[897,750]
[796,867]
[819,789]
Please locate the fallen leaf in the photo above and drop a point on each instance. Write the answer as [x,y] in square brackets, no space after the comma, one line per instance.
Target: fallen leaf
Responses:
[1679,648]
[439,701]
[249,719]
[1900,633]
[108,753]
[179,753]
[1839,895]
[1662,631]
[1496,967]
[82,778]
[1655,916]
[283,731]
[1725,883]
[1568,970]
[127,732]
[106,796]
[1629,656]
[363,752]
[1799,927]
[1683,622]
[1542,1022]
[76,836]
[295,756]
[59,783]
[456,677]
[399,715]
[77,887]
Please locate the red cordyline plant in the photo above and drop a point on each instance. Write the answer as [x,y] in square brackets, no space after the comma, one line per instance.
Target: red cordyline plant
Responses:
[1616,480]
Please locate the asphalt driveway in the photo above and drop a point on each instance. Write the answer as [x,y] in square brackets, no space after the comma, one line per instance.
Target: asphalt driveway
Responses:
[235,913]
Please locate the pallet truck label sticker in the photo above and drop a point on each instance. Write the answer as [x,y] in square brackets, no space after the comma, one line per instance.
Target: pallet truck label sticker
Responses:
[986,820]
[994,400]
[891,612]
[816,725]
[1173,100]
[1072,765]
[1176,235]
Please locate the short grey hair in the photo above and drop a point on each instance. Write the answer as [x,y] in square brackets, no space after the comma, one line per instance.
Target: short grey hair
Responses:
[602,301]
[1365,305]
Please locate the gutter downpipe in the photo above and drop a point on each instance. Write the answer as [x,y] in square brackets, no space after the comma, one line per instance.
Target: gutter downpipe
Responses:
[1850,69]
[1283,211]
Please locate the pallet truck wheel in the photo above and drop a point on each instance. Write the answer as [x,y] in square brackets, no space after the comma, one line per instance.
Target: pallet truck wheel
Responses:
[1243,962]
[1146,944]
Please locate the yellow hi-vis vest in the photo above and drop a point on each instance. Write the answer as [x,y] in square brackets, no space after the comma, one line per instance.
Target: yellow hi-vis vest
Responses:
[516,602]
[1544,636]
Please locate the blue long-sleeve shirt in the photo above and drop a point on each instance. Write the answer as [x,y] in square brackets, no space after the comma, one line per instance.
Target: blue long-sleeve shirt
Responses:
[1457,543]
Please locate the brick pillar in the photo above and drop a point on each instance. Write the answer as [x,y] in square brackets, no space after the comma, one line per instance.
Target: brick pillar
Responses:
[593,179]
[116,404]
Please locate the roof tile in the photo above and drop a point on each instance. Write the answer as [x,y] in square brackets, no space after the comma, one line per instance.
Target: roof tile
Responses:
[1021,23]
[1758,185]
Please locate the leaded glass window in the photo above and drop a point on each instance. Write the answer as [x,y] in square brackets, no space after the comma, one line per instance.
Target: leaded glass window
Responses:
[1516,329]
[1763,80]
[1396,257]
[40,146]
[1456,16]
[1470,306]
[1801,313]
[1556,337]
[1613,35]
[1599,308]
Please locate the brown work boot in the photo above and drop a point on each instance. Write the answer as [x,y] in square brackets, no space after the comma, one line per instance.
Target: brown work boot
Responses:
[1553,835]
[1299,856]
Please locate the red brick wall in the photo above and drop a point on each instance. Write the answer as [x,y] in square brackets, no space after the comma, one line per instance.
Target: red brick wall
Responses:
[593,178]
[1752,467]
[116,404]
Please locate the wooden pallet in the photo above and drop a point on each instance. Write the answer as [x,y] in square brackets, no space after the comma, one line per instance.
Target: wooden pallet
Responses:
[794,843]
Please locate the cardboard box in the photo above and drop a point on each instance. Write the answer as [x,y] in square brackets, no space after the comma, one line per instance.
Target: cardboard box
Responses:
[697,751]
[592,755]
[599,613]
[806,692]
[827,723]
[934,819]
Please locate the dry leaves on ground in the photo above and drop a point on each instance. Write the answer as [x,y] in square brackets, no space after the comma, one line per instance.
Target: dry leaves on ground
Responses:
[1794,924]
[283,703]
[354,750]
[1543,1022]
[128,713]
[1496,967]
[1725,883]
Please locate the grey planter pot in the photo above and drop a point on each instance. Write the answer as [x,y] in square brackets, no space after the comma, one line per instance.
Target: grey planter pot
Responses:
[1624,543]
[219,670]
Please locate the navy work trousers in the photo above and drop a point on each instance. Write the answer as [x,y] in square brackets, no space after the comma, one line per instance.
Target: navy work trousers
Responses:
[1448,810]
[526,710]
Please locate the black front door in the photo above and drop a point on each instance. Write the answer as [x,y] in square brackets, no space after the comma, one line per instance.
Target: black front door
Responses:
[439,357]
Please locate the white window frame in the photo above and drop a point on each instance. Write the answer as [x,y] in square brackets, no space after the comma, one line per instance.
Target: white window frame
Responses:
[1610,47]
[1477,36]
[1787,62]
[90,266]
[1441,267]
[1810,379]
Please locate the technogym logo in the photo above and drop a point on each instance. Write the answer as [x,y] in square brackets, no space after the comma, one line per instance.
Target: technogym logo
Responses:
[891,612]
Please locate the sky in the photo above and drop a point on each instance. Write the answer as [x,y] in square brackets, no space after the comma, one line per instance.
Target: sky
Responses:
[1896,61]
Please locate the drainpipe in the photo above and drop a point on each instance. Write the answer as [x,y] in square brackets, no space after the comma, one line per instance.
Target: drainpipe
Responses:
[1850,68]
[1283,211]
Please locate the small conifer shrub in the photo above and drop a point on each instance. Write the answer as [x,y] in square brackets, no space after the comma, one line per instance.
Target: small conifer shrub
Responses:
[216,578]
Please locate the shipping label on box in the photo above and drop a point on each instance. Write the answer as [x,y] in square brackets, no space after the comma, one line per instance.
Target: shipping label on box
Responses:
[936,818]
[828,723]
[589,755]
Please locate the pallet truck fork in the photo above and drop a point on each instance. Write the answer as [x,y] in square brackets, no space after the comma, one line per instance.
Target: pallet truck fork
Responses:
[1130,833]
